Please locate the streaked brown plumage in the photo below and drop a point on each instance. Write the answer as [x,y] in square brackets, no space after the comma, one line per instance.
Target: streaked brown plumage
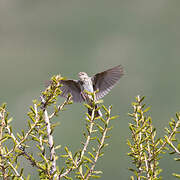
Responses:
[103,81]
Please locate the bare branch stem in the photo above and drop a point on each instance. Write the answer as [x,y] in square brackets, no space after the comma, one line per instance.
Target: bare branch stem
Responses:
[100,147]
[50,140]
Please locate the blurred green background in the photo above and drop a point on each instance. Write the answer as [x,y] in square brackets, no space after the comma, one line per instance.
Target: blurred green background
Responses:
[39,39]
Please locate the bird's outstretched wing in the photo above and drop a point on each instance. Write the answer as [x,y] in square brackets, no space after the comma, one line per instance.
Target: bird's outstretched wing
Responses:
[72,87]
[105,81]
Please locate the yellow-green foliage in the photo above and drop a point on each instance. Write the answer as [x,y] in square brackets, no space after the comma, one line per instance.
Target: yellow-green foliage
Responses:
[145,147]
[39,133]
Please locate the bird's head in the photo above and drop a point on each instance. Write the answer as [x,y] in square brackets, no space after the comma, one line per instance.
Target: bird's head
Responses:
[82,76]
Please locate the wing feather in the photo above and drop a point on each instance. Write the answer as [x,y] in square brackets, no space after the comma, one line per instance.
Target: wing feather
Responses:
[72,87]
[106,80]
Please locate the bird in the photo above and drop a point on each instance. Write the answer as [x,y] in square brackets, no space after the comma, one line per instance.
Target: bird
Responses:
[101,82]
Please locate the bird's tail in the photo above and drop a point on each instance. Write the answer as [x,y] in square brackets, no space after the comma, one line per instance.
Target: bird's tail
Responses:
[96,114]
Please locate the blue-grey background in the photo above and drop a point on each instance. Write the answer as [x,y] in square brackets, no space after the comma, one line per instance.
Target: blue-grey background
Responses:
[39,39]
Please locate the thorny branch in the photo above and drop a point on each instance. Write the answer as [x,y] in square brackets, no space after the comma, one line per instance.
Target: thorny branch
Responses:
[100,146]
[84,147]
[40,131]
[50,140]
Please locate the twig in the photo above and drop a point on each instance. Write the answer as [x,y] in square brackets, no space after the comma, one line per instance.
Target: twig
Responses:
[140,135]
[177,151]
[2,116]
[2,127]
[40,137]
[60,107]
[170,136]
[147,160]
[50,140]
[84,148]
[16,172]
[89,136]
[99,148]
[24,138]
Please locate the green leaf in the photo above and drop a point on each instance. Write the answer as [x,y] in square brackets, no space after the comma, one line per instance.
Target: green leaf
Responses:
[21,172]
[107,137]
[29,124]
[4,105]
[99,101]
[97,172]
[87,167]
[110,128]
[94,150]
[9,120]
[4,139]
[177,159]
[89,117]
[19,136]
[66,149]
[32,109]
[134,104]
[94,130]
[35,139]
[100,128]
[91,155]
[176,175]
[101,154]
[28,177]
[66,177]
[88,106]
[102,120]
[173,152]
[98,140]
[178,147]
[93,138]
[65,156]
[147,109]
[105,109]
[87,159]
[57,147]
[177,115]
[95,176]
[131,114]
[104,145]
[140,99]
[114,117]
[80,170]
[62,170]
[133,170]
